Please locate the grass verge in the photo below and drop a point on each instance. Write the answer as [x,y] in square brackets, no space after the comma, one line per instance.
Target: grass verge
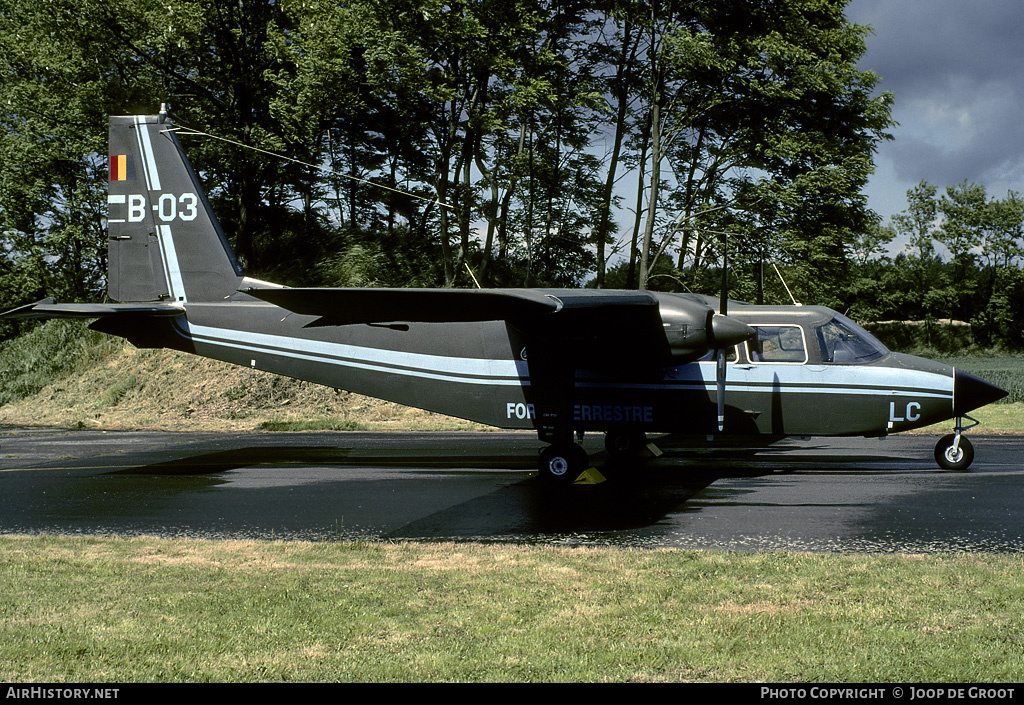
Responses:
[992,419]
[63,375]
[87,609]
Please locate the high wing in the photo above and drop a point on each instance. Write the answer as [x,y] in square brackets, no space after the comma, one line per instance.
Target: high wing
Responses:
[605,330]
[347,306]
[614,331]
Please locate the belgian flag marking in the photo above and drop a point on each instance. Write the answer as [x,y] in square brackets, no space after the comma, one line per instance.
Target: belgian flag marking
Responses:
[122,167]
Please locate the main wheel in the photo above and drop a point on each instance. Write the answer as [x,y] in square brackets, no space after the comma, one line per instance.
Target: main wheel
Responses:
[950,459]
[624,444]
[562,462]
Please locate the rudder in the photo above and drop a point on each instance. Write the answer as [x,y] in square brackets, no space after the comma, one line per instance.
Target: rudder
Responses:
[165,241]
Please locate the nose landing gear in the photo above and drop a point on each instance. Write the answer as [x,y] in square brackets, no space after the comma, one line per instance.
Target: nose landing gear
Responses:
[954,451]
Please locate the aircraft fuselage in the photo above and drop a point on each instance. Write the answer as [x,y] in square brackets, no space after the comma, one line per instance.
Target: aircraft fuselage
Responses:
[481,371]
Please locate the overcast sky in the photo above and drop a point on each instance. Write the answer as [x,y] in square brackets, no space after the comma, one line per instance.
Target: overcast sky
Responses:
[957,71]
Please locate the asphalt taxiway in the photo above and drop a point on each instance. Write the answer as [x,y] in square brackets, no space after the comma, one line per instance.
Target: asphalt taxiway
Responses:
[871,495]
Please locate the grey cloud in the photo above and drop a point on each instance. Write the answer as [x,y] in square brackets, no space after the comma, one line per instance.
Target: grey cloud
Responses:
[957,72]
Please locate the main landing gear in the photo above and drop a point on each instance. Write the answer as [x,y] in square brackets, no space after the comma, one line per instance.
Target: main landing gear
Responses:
[564,460]
[954,451]
[624,444]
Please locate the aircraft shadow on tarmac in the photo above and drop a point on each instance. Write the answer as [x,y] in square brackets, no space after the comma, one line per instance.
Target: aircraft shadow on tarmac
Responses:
[715,459]
[637,493]
[634,495]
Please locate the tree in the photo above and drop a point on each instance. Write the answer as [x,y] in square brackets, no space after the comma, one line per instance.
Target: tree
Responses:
[965,219]
[460,137]
[56,88]
[1003,245]
[617,49]
[918,221]
[871,244]
[769,128]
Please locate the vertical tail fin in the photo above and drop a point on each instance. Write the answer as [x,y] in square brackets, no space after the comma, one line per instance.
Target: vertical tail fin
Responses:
[165,241]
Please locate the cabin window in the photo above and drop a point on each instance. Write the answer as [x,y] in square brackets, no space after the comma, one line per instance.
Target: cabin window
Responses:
[843,342]
[778,344]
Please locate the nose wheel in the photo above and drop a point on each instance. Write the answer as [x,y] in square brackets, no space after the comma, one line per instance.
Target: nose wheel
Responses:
[954,451]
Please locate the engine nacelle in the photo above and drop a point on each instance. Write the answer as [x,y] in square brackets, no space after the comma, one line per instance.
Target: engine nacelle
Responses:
[693,328]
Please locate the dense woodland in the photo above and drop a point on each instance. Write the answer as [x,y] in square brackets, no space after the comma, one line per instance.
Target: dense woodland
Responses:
[512,143]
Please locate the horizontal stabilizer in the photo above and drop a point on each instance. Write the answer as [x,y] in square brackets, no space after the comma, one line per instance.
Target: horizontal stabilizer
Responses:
[47,308]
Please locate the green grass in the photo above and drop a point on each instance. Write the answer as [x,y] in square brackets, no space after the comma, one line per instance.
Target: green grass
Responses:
[86,609]
[116,391]
[326,424]
[994,418]
[51,351]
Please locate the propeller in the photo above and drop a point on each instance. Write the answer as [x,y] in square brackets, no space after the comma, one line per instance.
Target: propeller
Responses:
[725,333]
[723,311]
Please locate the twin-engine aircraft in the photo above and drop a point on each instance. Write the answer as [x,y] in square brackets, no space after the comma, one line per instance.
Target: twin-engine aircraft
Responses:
[562,362]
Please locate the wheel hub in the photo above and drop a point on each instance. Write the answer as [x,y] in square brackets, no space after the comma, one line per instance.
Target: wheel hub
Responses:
[558,466]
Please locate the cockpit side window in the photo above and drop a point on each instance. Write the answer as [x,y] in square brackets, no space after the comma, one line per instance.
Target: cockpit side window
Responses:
[843,342]
[783,343]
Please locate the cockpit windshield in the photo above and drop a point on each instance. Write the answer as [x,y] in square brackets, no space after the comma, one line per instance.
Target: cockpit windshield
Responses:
[843,342]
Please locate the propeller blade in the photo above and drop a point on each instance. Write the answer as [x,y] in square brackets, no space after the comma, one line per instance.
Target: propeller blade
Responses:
[723,304]
[725,333]
[723,310]
[720,373]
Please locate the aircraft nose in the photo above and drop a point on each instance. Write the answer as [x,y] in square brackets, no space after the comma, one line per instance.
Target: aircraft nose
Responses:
[970,392]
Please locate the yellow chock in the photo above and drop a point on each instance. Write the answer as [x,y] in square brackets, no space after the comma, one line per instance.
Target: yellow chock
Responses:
[652,451]
[590,476]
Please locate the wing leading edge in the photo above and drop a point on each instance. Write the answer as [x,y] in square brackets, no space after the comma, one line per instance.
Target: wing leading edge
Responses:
[596,328]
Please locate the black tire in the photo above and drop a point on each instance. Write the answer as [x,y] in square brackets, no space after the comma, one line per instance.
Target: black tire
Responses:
[624,444]
[562,463]
[947,459]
